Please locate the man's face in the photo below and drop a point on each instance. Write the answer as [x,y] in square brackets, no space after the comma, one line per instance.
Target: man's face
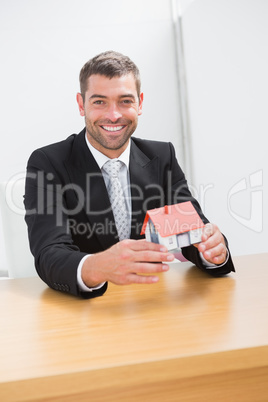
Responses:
[111,109]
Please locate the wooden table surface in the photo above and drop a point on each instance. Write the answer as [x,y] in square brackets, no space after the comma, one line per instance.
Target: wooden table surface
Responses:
[189,337]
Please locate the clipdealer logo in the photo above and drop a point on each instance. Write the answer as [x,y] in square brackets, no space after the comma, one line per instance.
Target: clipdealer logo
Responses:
[250,188]
[253,186]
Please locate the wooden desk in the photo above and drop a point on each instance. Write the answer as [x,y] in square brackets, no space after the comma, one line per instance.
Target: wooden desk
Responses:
[188,338]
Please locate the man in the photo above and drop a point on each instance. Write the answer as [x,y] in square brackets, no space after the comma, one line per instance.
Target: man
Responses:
[69,209]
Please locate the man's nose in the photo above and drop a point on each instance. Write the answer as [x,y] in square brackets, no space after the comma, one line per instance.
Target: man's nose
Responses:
[113,113]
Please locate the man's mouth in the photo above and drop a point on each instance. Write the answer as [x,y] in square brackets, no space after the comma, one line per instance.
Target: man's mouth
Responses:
[112,128]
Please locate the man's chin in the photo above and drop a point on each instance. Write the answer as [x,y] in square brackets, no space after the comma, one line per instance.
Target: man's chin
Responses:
[114,146]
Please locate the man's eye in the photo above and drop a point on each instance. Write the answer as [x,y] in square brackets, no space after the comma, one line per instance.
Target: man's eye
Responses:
[98,102]
[127,101]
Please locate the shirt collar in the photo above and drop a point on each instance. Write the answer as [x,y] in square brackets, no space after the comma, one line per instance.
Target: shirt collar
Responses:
[101,159]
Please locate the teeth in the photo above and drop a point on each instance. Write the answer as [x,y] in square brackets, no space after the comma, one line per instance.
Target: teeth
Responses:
[112,128]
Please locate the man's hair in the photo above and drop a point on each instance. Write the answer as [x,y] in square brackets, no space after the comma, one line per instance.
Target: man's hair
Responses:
[110,64]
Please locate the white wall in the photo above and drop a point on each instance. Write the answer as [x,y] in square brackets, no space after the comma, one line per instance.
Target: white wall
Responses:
[226,55]
[44,44]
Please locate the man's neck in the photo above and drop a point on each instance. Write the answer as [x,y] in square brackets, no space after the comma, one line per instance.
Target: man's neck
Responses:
[102,158]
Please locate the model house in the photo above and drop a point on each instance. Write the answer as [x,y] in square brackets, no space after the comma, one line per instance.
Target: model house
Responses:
[174,226]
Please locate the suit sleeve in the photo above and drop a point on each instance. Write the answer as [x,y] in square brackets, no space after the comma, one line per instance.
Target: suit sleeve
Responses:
[181,193]
[56,256]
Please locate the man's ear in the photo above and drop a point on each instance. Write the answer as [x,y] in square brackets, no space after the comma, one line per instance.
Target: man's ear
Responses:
[80,103]
[140,104]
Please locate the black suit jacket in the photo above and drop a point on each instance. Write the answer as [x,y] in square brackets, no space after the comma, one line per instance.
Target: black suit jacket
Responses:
[68,211]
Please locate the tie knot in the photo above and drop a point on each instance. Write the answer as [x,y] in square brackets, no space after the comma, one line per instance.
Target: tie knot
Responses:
[112,167]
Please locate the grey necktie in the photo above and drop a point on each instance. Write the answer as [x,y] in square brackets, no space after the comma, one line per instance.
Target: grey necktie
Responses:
[117,198]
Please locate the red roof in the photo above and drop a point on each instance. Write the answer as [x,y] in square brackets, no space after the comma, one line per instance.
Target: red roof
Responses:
[173,219]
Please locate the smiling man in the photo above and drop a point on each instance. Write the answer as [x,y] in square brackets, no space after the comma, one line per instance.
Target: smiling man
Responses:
[86,197]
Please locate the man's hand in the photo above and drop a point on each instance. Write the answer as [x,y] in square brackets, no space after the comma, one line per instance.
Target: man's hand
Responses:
[212,246]
[129,261]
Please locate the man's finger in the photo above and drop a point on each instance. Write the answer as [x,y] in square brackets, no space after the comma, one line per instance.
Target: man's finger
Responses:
[208,231]
[150,268]
[139,245]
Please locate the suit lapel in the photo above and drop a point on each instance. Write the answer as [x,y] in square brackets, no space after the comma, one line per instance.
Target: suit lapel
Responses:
[91,191]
